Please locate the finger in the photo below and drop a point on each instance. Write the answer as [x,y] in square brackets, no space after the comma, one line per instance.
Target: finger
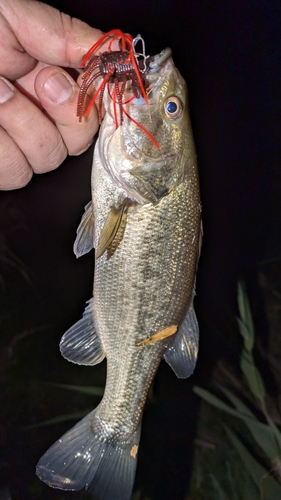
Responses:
[33,132]
[26,82]
[58,94]
[46,34]
[15,171]
[14,60]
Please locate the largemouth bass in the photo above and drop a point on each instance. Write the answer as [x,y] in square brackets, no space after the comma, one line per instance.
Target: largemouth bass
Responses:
[144,223]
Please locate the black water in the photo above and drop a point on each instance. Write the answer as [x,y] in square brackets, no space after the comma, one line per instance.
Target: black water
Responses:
[229,54]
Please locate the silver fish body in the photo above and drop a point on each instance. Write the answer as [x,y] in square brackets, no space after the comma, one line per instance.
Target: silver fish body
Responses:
[144,222]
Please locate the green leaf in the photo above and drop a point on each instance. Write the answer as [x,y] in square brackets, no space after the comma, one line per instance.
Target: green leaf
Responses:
[247,330]
[274,428]
[268,486]
[136,495]
[237,402]
[262,434]
[62,418]
[213,400]
[252,375]
[84,389]
[247,338]
[220,493]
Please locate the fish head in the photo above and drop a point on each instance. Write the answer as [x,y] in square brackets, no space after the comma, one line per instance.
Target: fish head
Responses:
[150,152]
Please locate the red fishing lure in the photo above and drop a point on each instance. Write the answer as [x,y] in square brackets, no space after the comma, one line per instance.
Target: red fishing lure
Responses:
[117,67]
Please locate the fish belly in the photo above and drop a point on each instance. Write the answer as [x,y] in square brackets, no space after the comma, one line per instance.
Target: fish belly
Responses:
[144,287]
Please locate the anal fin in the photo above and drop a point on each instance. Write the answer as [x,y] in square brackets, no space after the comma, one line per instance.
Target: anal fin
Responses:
[81,344]
[182,354]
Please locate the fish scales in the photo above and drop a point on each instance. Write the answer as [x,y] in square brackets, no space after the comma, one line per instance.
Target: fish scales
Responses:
[151,292]
[146,212]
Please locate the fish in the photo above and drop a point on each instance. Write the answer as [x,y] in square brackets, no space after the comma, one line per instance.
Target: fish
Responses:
[144,222]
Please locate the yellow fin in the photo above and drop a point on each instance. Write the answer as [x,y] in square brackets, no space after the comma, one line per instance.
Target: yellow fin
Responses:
[118,236]
[110,228]
[167,332]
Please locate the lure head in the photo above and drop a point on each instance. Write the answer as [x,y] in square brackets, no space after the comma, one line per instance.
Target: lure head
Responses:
[115,67]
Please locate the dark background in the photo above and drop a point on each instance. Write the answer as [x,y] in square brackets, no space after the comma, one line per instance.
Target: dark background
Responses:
[229,54]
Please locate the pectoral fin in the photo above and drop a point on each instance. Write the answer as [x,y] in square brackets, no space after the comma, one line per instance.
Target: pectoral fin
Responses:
[113,229]
[163,334]
[182,354]
[85,232]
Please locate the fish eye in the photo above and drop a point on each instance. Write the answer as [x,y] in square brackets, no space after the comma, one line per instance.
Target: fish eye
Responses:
[173,107]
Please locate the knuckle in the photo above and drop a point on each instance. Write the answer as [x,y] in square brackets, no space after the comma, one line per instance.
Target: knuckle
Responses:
[24,122]
[79,137]
[50,157]
[15,172]
[80,149]
[23,178]
[59,154]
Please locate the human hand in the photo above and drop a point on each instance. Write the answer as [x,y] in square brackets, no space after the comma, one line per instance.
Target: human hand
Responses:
[38,122]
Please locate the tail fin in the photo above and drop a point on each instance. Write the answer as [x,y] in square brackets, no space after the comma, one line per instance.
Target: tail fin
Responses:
[83,459]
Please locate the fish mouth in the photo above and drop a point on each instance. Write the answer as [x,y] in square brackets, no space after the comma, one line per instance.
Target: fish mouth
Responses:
[154,63]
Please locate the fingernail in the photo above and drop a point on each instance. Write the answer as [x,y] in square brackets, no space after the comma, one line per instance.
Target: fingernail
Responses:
[6,90]
[58,88]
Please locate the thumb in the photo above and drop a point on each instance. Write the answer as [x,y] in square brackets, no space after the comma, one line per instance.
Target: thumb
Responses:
[58,94]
